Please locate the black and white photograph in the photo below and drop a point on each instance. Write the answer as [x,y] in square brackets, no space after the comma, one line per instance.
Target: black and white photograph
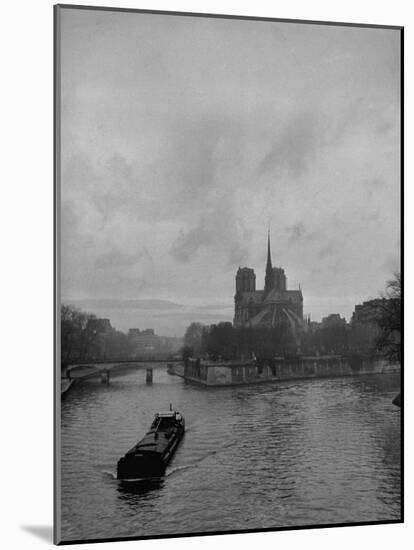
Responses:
[228,206]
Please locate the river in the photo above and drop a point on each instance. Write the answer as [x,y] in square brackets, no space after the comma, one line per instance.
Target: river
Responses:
[296,453]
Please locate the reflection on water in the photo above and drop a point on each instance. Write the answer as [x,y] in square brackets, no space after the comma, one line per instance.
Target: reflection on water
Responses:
[295,453]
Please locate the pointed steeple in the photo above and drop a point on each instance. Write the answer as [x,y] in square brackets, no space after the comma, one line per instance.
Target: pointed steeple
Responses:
[269,258]
[269,268]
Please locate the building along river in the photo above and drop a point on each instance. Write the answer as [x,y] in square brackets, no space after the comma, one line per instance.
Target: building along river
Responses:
[292,453]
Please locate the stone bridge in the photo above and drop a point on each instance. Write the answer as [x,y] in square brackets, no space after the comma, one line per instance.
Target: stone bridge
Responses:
[107,369]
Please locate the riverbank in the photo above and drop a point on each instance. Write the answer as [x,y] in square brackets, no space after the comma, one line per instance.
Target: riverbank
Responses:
[230,373]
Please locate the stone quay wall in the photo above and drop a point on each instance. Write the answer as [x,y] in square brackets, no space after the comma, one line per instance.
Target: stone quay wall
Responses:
[226,373]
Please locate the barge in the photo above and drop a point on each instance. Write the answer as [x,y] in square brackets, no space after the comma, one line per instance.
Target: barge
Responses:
[151,455]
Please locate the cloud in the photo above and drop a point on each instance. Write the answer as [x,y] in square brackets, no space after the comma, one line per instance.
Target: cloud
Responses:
[183,137]
[238,252]
[326,251]
[116,258]
[373,216]
[219,232]
[383,127]
[294,146]
[188,243]
[298,232]
[392,264]
[376,182]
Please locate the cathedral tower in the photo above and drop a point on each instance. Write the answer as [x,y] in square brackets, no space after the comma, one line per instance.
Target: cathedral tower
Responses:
[270,306]
[245,280]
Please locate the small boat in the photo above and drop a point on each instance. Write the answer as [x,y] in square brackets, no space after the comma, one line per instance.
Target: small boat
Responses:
[150,456]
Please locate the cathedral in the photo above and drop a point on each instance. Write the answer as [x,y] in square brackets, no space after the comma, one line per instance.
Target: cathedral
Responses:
[268,307]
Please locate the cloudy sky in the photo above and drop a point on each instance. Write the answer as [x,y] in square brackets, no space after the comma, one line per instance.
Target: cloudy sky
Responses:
[183,138]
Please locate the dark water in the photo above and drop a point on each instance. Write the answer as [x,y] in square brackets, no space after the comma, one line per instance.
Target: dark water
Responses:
[298,453]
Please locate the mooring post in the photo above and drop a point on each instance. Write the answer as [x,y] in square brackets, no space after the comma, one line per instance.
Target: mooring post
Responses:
[105,376]
[149,376]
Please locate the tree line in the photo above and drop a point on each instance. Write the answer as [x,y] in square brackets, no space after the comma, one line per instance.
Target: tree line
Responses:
[85,337]
[381,335]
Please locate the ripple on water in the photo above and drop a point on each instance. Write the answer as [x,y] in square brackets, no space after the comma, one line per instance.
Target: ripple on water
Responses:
[297,453]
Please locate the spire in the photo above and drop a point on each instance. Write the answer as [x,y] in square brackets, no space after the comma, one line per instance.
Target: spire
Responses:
[269,269]
[269,258]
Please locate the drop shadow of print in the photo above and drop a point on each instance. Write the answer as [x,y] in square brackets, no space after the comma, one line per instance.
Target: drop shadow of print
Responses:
[43,532]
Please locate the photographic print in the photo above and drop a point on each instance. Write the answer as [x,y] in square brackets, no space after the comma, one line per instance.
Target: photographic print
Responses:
[228,274]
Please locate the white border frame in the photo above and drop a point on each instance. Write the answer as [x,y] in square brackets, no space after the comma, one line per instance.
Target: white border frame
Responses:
[27,232]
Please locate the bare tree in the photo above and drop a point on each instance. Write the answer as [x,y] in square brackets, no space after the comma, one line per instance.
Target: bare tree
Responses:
[389,322]
[193,339]
[73,325]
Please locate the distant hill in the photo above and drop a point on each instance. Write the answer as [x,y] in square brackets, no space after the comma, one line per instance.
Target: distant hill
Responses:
[125,304]
[165,317]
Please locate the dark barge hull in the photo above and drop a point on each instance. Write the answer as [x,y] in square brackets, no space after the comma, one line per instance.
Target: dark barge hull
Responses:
[150,456]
